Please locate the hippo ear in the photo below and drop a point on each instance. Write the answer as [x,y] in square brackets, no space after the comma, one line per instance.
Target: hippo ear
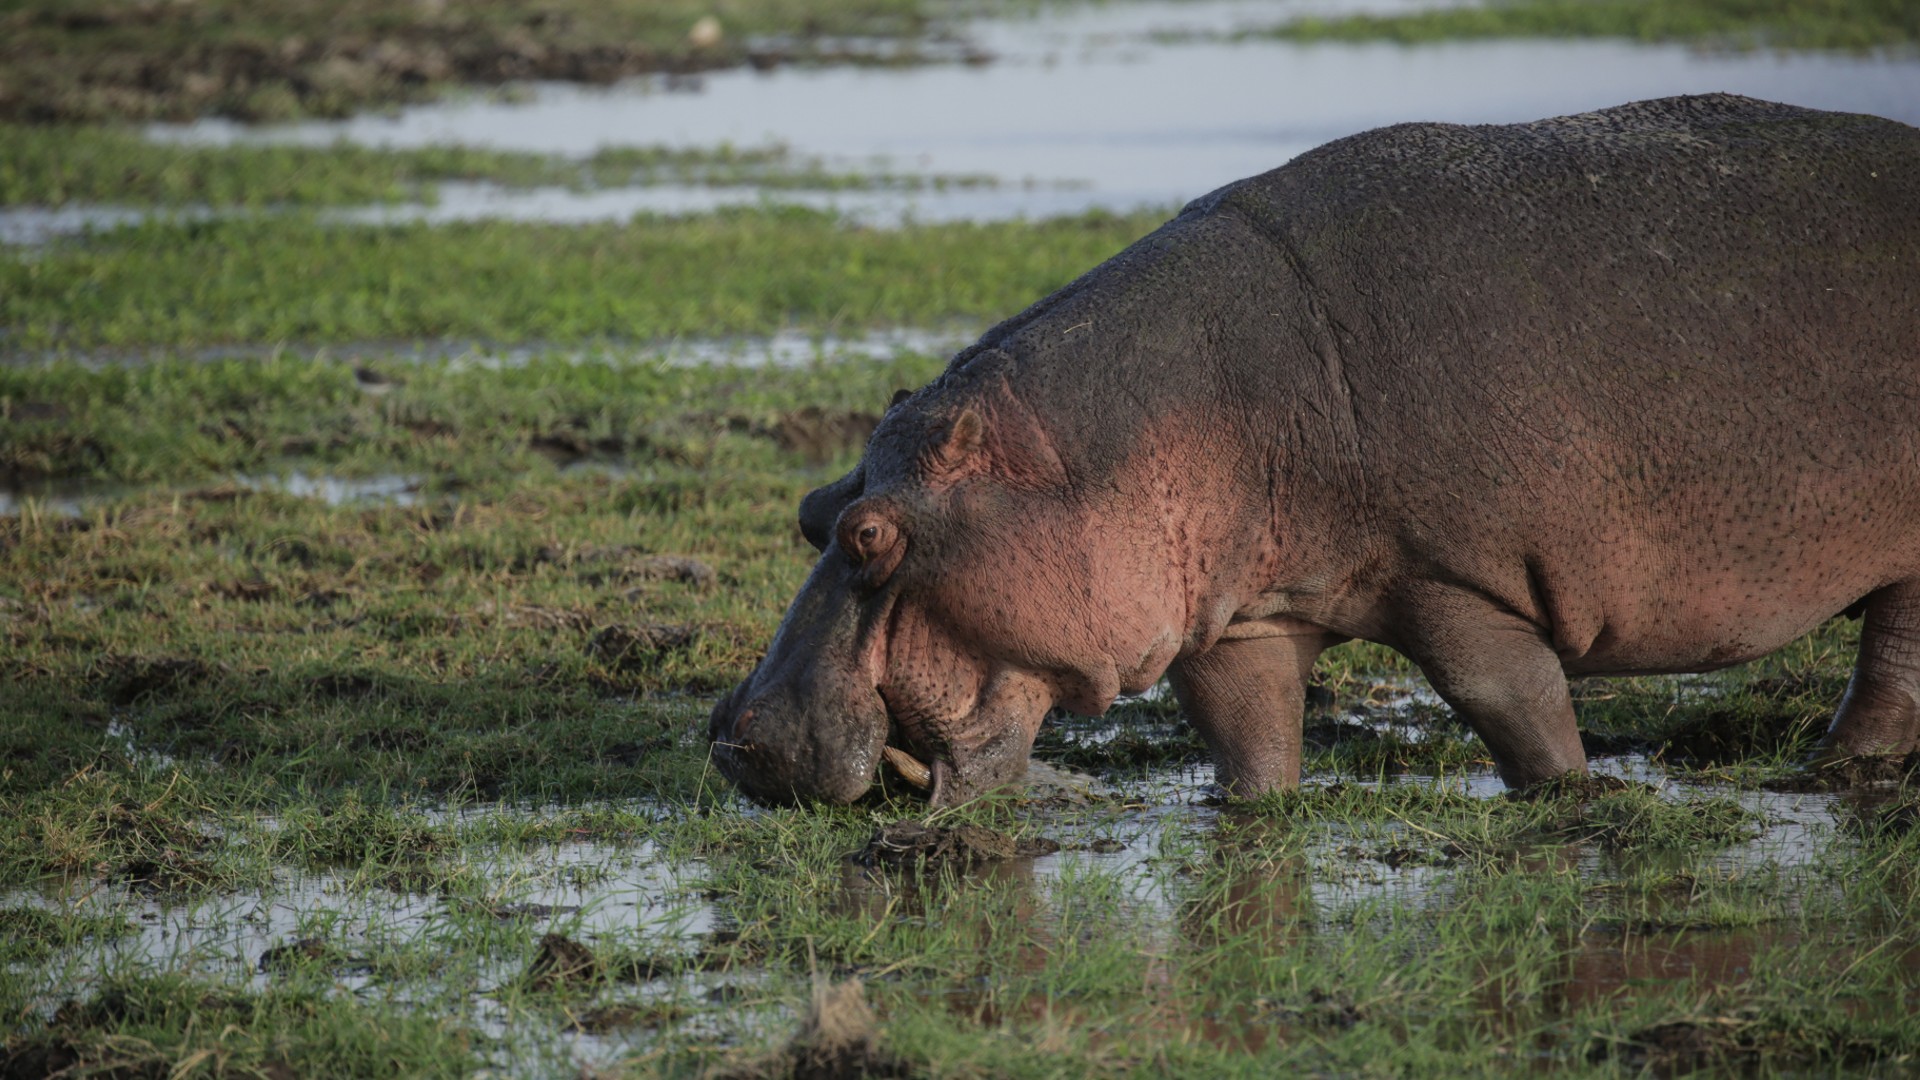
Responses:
[958,444]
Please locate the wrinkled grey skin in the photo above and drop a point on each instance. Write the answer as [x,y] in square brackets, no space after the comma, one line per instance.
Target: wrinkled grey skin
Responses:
[1628,392]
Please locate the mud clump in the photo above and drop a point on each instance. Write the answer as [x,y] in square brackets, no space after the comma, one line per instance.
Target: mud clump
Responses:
[166,871]
[915,845]
[304,952]
[607,1019]
[566,447]
[820,434]
[130,679]
[1575,787]
[678,568]
[563,962]
[1849,773]
[629,647]
[1678,1046]
[838,1039]
[1738,1044]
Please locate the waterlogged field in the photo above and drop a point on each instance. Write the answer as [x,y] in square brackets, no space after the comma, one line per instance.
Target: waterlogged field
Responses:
[404,772]
[364,588]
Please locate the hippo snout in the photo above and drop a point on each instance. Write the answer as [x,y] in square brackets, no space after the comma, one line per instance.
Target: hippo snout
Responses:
[781,749]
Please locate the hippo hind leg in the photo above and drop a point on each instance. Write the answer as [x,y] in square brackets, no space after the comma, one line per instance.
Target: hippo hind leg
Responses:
[1500,673]
[1880,713]
[1245,697]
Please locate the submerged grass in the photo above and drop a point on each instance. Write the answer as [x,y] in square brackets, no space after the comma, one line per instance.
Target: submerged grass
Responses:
[735,272]
[56,165]
[299,787]
[1740,24]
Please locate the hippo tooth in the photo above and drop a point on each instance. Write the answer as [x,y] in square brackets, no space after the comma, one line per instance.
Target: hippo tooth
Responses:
[909,767]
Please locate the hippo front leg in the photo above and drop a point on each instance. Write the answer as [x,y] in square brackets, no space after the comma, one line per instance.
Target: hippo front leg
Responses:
[1245,696]
[1500,673]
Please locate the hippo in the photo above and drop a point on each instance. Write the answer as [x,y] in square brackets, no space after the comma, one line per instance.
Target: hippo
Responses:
[1634,391]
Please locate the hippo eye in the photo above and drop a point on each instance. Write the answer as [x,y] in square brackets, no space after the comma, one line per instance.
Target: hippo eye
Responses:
[872,543]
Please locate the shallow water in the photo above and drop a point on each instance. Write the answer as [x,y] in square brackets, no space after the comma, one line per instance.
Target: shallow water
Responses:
[1158,843]
[1147,125]
[1114,106]
[787,348]
[74,498]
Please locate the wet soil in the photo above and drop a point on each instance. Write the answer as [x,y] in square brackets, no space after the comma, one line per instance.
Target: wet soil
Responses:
[918,846]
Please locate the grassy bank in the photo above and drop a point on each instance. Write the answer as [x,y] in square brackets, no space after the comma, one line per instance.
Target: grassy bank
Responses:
[270,59]
[414,784]
[55,165]
[735,272]
[1738,24]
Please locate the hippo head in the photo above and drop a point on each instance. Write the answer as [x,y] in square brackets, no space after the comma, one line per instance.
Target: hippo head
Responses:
[966,585]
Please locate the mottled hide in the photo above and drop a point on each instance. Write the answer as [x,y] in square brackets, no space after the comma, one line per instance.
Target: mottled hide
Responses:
[1631,391]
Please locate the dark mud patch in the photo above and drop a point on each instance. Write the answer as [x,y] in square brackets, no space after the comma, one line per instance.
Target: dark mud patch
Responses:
[1900,818]
[566,447]
[1719,736]
[636,646]
[310,953]
[246,590]
[918,846]
[1318,1008]
[79,1040]
[818,434]
[1737,1043]
[131,679]
[167,871]
[620,564]
[562,962]
[625,1016]
[1580,788]
[1849,774]
[47,1054]
[39,452]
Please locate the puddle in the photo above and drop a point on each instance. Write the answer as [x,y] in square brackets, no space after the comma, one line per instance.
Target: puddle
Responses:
[876,209]
[588,891]
[369,938]
[76,498]
[31,226]
[1116,106]
[787,349]
[1153,858]
[392,488]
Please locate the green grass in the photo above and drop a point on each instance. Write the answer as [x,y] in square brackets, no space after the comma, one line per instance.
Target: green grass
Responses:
[740,272]
[1745,24]
[55,165]
[290,788]
[265,59]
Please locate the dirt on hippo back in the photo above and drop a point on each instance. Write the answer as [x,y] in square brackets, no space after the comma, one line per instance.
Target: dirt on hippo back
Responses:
[917,845]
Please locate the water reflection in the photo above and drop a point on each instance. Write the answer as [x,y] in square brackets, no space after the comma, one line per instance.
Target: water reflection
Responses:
[1090,97]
